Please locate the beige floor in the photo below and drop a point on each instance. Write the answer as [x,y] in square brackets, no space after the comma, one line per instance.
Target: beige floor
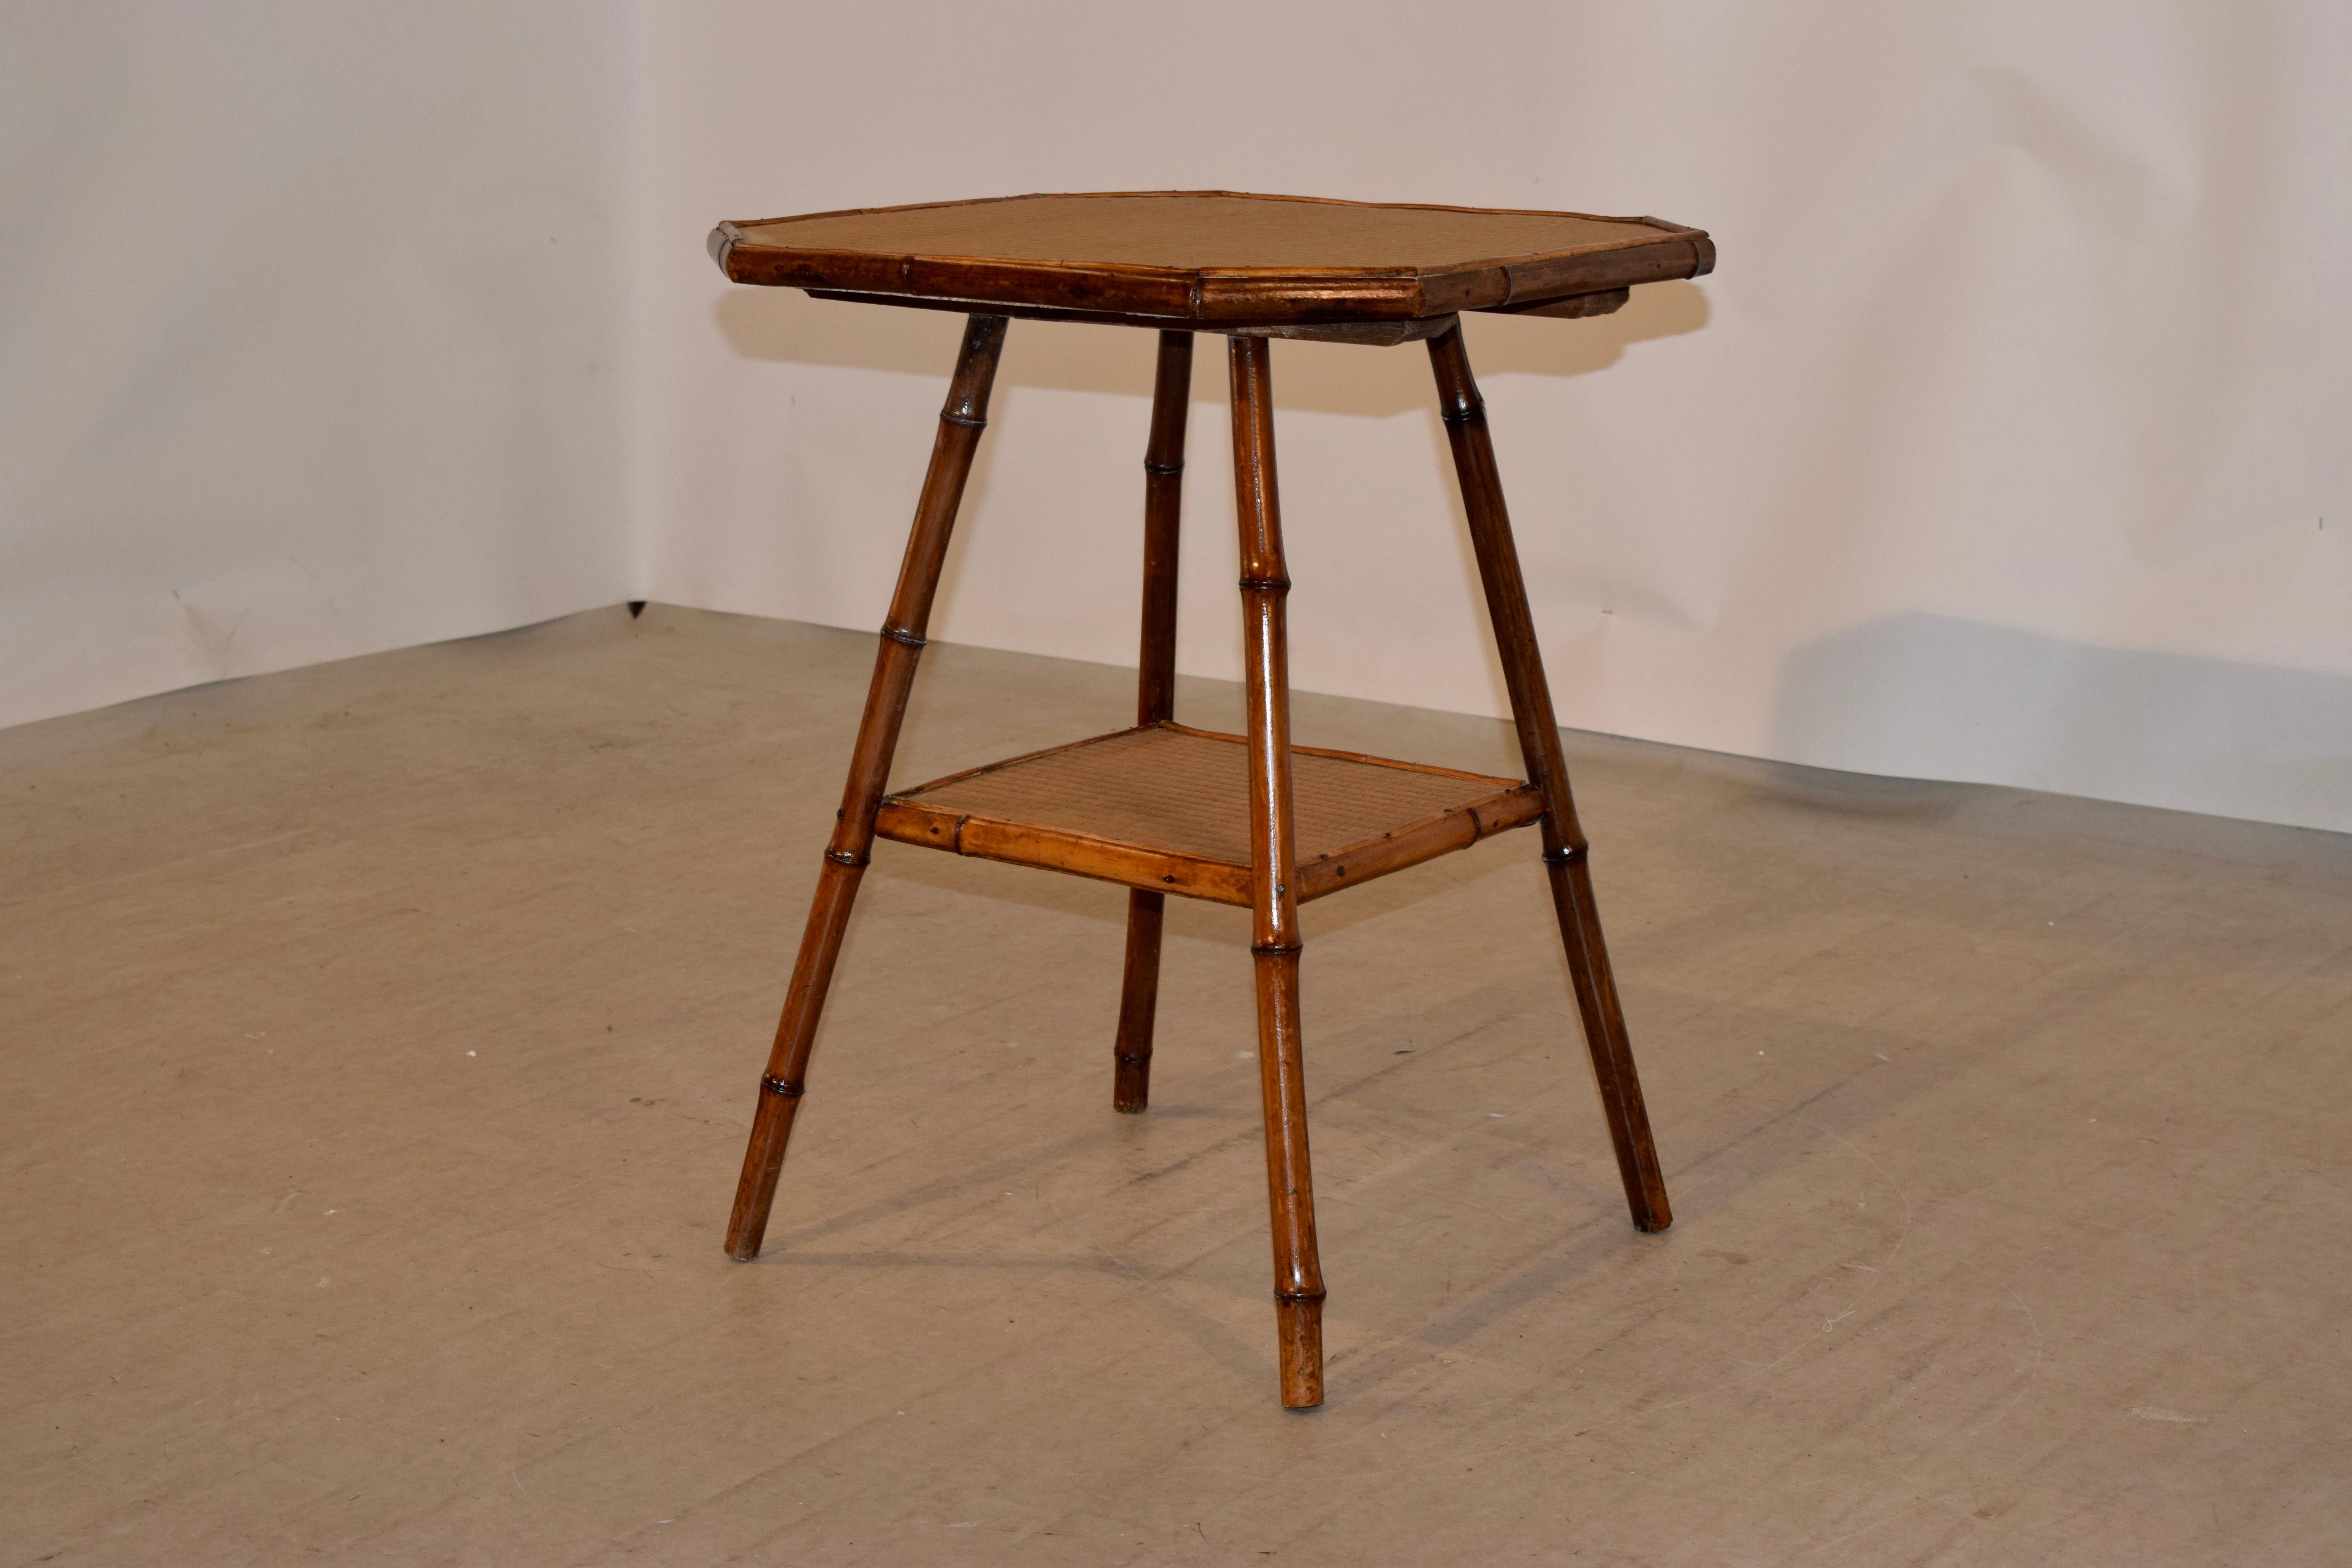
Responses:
[379,1039]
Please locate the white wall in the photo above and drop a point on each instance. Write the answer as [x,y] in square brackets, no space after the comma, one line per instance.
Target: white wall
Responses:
[312,319]
[1996,449]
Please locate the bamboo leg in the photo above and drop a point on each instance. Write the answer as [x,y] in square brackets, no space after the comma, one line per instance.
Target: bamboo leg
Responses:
[1563,840]
[1274,943]
[961,419]
[1155,700]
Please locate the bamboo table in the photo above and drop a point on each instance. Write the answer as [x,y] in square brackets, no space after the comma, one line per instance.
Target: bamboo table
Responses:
[1162,808]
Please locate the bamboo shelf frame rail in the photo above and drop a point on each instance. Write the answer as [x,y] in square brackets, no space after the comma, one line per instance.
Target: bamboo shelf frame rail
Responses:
[1249,819]
[1161,808]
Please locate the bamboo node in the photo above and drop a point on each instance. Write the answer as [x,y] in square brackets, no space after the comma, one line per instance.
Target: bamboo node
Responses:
[844,857]
[1300,1296]
[900,635]
[1175,468]
[1276,947]
[966,420]
[1128,1060]
[1265,585]
[773,1085]
[1567,857]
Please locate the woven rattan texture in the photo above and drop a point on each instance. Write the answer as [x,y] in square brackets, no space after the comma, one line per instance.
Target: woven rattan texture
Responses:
[1168,789]
[1201,230]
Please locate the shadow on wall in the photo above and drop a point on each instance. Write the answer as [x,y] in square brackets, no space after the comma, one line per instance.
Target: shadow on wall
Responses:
[785,325]
[1931,696]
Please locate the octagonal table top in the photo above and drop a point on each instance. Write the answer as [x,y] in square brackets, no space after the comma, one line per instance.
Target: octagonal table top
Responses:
[1205,258]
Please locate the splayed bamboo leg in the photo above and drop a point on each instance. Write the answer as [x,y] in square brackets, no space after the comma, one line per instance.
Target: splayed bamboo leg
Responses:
[1138,1002]
[1563,840]
[961,421]
[1273,939]
[1155,700]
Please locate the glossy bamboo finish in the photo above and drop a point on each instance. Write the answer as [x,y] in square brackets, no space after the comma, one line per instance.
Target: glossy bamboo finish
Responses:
[1465,414]
[1163,502]
[1275,942]
[961,419]
[1159,808]
[1155,700]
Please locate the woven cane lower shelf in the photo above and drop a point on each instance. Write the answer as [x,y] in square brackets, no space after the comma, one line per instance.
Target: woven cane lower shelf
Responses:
[1166,808]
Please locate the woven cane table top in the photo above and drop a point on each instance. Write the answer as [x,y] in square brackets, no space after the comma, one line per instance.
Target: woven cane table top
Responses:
[1211,257]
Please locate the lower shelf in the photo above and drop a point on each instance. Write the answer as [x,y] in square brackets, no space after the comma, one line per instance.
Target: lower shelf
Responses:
[1166,807]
